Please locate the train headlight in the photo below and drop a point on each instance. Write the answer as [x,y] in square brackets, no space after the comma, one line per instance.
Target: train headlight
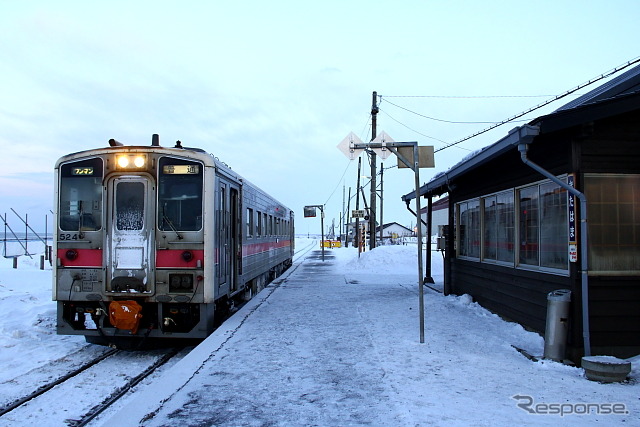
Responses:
[131,161]
[123,161]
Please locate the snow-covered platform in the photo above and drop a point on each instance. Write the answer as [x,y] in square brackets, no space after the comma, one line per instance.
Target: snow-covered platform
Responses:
[336,342]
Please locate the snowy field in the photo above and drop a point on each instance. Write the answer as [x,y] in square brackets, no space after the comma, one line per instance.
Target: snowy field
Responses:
[466,373]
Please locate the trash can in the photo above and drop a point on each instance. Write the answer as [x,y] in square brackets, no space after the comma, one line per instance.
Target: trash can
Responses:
[555,336]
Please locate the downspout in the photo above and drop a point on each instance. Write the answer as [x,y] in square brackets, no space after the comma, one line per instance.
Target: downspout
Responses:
[523,146]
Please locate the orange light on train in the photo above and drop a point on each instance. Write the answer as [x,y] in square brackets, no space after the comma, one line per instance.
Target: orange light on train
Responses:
[123,161]
[131,161]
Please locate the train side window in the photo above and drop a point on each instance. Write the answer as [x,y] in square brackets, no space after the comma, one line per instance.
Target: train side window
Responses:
[80,195]
[259,231]
[264,225]
[249,222]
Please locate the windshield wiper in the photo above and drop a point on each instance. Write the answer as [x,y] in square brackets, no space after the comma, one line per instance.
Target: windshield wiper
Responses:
[168,221]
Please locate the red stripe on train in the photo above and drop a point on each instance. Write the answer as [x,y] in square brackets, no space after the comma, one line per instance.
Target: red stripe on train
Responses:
[80,257]
[178,258]
[256,248]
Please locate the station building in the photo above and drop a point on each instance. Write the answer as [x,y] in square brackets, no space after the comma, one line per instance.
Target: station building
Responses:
[516,230]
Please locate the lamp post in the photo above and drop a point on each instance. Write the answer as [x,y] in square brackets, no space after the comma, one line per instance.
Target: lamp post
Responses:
[309,212]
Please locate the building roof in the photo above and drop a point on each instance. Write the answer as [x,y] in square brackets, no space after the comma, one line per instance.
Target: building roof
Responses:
[620,95]
[389,224]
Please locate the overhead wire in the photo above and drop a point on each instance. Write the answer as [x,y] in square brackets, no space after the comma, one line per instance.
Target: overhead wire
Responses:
[419,133]
[547,102]
[502,122]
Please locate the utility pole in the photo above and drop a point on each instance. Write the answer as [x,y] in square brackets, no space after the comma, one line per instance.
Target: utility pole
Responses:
[342,214]
[348,218]
[381,198]
[372,203]
[358,237]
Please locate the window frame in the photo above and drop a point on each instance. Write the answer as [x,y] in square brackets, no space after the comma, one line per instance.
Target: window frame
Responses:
[483,256]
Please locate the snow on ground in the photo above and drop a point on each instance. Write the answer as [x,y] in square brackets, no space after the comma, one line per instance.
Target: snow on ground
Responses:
[27,319]
[340,345]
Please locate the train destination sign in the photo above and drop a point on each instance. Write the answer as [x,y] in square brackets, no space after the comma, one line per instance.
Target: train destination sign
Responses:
[181,169]
[82,171]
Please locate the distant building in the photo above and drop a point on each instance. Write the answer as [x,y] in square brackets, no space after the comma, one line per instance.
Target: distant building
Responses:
[439,218]
[515,224]
[393,233]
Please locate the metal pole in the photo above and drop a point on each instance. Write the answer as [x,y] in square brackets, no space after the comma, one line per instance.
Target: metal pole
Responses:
[416,169]
[381,198]
[372,197]
[342,214]
[46,238]
[358,237]
[322,229]
[348,218]
[429,278]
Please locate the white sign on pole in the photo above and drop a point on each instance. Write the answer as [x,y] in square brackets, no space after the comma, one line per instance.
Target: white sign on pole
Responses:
[357,213]
[381,138]
[347,146]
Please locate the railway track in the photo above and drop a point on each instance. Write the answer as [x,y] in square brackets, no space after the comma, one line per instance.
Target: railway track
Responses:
[83,393]
[301,252]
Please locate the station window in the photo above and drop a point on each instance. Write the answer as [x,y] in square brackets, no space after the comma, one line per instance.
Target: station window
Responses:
[487,228]
[469,228]
[498,227]
[614,223]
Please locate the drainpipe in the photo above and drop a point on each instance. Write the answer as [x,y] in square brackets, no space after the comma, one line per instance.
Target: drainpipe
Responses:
[523,146]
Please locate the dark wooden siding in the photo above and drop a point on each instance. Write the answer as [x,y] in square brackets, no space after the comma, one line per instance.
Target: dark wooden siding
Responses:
[606,146]
[518,295]
[613,146]
[614,308]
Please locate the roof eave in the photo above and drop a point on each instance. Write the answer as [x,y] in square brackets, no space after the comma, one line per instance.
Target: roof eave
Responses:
[440,184]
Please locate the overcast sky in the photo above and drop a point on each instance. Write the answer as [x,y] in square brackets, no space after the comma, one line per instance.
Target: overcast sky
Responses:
[272,87]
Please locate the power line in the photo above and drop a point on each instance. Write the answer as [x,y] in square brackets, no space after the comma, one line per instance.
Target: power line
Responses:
[547,102]
[434,118]
[419,133]
[466,96]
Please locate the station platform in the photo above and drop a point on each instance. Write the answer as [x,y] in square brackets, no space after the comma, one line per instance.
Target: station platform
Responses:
[336,343]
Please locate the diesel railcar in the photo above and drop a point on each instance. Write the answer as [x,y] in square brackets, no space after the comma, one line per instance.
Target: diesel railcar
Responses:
[155,242]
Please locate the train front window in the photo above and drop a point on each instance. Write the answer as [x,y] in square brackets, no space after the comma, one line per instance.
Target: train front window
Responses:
[130,206]
[179,195]
[80,195]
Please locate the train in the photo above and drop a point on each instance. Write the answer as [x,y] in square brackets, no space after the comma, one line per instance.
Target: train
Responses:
[159,244]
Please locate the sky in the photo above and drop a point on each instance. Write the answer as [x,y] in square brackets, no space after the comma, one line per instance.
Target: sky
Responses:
[271,88]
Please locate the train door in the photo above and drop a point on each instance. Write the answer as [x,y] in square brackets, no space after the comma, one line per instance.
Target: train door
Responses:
[222,234]
[235,241]
[130,234]
[227,231]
